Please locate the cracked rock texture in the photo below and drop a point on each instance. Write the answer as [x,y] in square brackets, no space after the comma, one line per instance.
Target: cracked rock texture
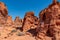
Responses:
[49,22]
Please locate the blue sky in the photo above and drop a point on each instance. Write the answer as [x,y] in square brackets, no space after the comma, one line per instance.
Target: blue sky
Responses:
[20,7]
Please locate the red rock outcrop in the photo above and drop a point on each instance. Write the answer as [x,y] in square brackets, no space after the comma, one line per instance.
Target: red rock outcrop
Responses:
[3,9]
[49,22]
[47,26]
[18,22]
[9,21]
[30,21]
[3,13]
[8,27]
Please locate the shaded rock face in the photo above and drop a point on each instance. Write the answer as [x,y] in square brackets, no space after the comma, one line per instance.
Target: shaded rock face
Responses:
[18,22]
[3,9]
[49,22]
[3,13]
[30,21]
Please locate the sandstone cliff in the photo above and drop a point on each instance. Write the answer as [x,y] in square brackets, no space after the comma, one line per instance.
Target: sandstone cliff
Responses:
[49,22]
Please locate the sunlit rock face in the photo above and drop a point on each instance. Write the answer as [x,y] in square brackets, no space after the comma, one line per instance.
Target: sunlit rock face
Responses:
[29,22]
[3,13]
[9,21]
[18,22]
[49,22]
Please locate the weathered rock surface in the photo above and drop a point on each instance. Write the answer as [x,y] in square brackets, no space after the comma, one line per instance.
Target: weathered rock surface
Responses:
[9,20]
[49,22]
[3,9]
[18,22]
[30,21]
[3,13]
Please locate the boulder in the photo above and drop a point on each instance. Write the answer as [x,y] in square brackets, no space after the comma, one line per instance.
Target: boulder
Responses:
[29,22]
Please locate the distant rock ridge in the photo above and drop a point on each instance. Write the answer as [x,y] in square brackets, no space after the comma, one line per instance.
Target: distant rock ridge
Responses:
[9,20]
[18,22]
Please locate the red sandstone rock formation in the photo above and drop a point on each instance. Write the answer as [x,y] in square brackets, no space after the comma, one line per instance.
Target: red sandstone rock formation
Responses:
[3,9]
[7,26]
[30,21]
[3,13]
[49,24]
[18,22]
[9,20]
